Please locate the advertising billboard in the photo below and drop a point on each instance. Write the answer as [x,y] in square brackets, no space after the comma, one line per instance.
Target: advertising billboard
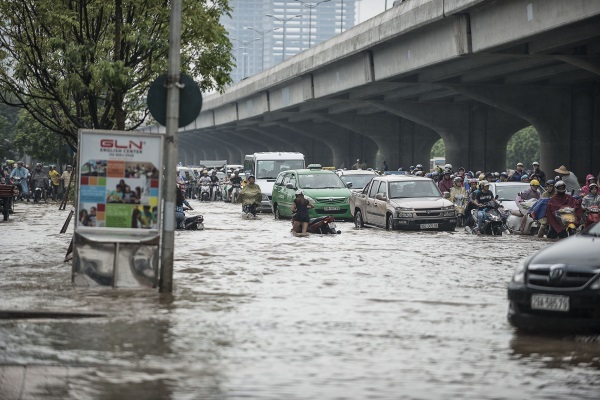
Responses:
[119,179]
[117,236]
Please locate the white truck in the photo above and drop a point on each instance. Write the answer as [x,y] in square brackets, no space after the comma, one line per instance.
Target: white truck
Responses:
[265,166]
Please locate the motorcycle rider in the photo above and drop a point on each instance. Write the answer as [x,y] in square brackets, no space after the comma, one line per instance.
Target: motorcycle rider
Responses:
[569,178]
[445,184]
[585,190]
[22,173]
[214,182]
[180,202]
[458,195]
[537,171]
[250,196]
[39,180]
[516,176]
[235,179]
[560,200]
[482,197]
[55,178]
[590,200]
[531,193]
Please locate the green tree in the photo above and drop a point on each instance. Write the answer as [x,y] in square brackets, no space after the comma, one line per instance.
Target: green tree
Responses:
[88,63]
[35,140]
[8,118]
[523,146]
[438,149]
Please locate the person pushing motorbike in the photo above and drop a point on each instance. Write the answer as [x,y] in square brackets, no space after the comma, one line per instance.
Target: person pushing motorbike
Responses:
[300,208]
[250,196]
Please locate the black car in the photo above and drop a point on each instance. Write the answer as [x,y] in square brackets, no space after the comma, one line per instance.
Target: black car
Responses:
[558,288]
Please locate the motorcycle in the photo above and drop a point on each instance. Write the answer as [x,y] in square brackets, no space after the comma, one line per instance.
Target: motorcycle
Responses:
[321,225]
[235,193]
[568,220]
[493,219]
[592,215]
[217,192]
[459,206]
[39,190]
[194,223]
[204,192]
[515,221]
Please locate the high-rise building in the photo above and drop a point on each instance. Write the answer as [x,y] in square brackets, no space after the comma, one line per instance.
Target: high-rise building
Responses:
[266,32]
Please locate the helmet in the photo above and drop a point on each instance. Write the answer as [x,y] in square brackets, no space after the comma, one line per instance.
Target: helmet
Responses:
[237,171]
[535,163]
[484,183]
[448,166]
[469,174]
[496,174]
[524,177]
[461,168]
[473,181]
[458,179]
[68,166]
[560,186]
[20,162]
[435,173]
[550,182]
[52,166]
[251,176]
[447,171]
[419,166]
[299,192]
[504,174]
[481,177]
[412,167]
[593,185]
[38,166]
[534,183]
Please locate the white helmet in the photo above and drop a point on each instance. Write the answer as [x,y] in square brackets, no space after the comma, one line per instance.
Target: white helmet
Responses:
[448,166]
[299,192]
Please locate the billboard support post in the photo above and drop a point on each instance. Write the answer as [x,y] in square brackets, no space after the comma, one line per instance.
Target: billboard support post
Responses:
[170,151]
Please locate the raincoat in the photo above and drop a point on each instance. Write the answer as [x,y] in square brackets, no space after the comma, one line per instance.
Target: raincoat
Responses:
[585,190]
[558,201]
[250,194]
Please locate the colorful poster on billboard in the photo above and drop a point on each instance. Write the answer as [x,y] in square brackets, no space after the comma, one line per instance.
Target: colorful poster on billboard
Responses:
[119,180]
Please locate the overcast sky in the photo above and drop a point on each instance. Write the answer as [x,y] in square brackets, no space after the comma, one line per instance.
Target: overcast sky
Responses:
[369,8]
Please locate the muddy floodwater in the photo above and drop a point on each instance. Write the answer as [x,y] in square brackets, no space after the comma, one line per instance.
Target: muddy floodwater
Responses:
[260,314]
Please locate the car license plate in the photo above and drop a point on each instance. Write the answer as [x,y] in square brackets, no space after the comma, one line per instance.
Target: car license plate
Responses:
[429,226]
[331,208]
[549,302]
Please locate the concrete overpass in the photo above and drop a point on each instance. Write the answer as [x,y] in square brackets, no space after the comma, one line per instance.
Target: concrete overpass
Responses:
[472,72]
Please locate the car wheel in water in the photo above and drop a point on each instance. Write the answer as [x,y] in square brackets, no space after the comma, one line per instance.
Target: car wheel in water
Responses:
[390,223]
[358,221]
[276,213]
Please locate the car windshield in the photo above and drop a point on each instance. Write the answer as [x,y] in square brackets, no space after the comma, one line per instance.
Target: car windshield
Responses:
[320,181]
[358,181]
[412,189]
[269,169]
[509,193]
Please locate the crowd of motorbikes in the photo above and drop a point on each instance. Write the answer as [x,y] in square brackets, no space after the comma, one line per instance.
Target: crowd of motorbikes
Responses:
[497,220]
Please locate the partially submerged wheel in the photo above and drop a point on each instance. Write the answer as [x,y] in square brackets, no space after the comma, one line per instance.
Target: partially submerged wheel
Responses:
[390,223]
[358,220]
[276,212]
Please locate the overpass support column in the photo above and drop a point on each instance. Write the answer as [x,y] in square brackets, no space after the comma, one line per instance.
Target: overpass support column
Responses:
[566,120]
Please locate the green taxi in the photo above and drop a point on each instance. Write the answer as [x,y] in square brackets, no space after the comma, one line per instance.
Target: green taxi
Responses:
[323,188]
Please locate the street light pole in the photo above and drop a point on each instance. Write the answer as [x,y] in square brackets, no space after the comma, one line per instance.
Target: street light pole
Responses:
[310,7]
[262,34]
[284,21]
[244,46]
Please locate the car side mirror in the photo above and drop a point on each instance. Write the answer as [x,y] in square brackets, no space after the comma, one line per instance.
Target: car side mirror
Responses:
[290,186]
[349,185]
[446,195]
[380,196]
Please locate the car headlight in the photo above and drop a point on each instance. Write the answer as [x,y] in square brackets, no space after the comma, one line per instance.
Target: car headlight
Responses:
[519,274]
[448,207]
[404,212]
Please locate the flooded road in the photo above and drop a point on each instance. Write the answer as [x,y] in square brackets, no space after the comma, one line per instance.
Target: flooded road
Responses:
[260,314]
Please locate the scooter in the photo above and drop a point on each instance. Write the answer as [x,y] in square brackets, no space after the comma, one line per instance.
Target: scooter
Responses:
[459,205]
[204,192]
[217,192]
[235,193]
[194,223]
[39,190]
[592,215]
[322,225]
[515,222]
[567,218]
[493,221]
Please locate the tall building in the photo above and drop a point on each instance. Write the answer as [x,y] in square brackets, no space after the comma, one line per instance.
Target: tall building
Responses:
[266,32]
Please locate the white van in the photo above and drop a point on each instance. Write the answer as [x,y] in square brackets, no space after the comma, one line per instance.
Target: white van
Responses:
[265,167]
